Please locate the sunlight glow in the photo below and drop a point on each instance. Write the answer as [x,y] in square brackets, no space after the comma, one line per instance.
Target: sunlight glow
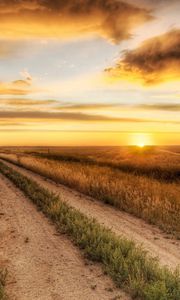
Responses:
[141,145]
[141,139]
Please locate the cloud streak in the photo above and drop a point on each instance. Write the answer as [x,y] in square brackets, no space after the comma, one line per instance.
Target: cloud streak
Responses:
[87,106]
[14,88]
[161,106]
[155,61]
[27,102]
[70,116]
[109,106]
[63,116]
[80,108]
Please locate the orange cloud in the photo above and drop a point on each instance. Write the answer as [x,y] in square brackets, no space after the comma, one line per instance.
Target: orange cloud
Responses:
[112,19]
[155,61]
[17,87]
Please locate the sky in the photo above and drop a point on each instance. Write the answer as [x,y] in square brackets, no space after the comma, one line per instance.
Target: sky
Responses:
[80,72]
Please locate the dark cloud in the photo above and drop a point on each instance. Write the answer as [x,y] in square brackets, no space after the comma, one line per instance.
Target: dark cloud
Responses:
[156,60]
[113,19]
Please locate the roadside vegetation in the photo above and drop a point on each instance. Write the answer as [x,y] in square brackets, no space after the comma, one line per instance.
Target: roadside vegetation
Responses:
[128,265]
[3,274]
[153,201]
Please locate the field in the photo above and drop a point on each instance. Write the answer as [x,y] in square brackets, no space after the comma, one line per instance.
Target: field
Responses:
[161,163]
[119,205]
[143,182]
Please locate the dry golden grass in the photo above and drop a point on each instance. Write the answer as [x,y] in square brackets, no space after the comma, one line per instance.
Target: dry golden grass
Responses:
[156,202]
[161,163]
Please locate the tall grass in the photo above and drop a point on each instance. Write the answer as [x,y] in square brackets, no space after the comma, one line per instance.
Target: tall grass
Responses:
[160,163]
[155,202]
[128,265]
[148,168]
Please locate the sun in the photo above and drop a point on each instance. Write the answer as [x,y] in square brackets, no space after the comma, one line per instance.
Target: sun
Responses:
[141,145]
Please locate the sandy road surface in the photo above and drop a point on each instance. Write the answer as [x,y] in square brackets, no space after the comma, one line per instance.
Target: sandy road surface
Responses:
[41,264]
[152,239]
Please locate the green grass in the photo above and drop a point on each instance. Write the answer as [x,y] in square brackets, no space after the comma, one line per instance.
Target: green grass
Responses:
[128,265]
[3,274]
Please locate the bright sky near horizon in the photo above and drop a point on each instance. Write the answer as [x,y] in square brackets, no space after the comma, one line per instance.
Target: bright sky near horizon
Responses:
[99,72]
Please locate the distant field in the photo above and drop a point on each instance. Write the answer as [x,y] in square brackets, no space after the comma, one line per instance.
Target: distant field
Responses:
[161,163]
[143,182]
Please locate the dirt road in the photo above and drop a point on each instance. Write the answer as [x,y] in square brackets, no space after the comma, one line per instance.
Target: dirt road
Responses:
[43,265]
[152,239]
